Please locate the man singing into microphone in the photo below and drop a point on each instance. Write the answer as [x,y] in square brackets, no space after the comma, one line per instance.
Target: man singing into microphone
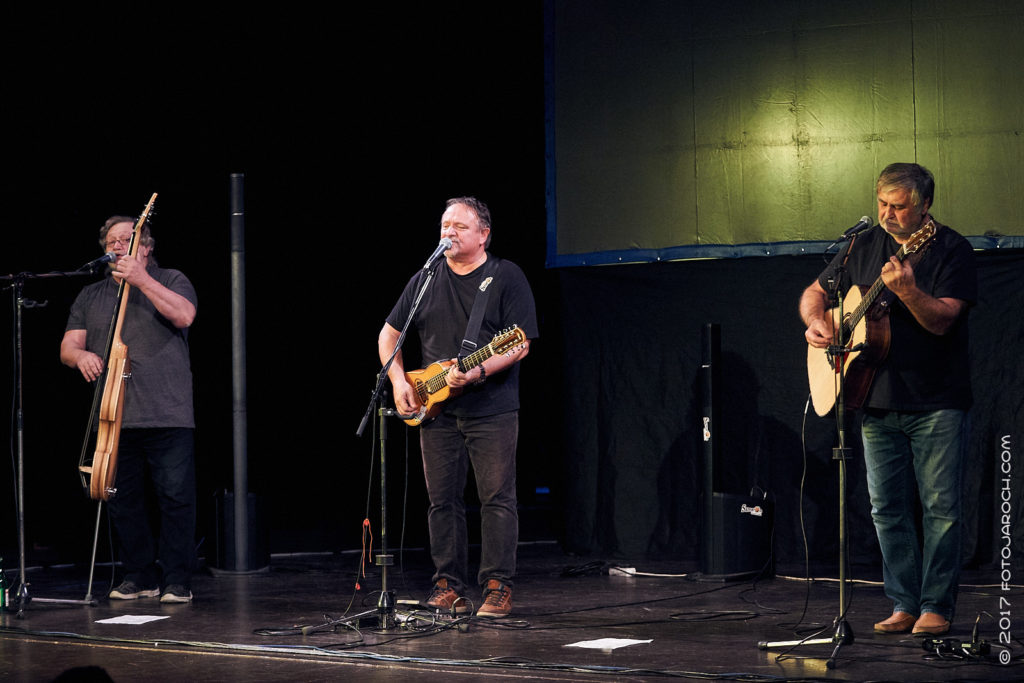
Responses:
[481,425]
[156,454]
[914,418]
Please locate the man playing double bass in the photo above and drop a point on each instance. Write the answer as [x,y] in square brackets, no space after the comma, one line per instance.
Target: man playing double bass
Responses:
[156,439]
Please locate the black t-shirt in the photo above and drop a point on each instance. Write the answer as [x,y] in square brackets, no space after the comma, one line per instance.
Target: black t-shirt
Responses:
[443,315]
[922,371]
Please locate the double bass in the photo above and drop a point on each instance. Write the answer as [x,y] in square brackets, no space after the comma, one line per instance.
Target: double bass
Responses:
[108,398]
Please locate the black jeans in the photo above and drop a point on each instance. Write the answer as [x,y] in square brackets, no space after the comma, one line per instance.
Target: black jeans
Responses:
[449,445]
[161,463]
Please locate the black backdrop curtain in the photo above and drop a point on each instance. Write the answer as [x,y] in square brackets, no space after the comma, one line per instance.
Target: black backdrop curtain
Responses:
[631,420]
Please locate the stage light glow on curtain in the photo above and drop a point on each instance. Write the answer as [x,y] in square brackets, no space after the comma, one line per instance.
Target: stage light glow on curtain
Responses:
[735,128]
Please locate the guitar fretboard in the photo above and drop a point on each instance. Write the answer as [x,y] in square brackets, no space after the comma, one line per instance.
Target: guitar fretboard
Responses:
[869,297]
[474,359]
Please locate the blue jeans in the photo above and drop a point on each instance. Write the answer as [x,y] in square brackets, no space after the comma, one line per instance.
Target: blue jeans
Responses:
[449,445]
[156,551]
[925,449]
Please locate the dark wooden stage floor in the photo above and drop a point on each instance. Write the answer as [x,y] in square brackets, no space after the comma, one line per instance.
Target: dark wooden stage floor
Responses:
[272,626]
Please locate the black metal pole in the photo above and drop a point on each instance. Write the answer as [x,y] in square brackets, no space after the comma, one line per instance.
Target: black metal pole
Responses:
[238,377]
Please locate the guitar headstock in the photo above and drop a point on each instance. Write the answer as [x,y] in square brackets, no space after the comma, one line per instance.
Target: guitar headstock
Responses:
[143,217]
[920,238]
[506,340]
[146,212]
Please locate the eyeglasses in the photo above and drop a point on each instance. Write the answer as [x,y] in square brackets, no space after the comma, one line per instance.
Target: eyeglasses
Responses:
[126,241]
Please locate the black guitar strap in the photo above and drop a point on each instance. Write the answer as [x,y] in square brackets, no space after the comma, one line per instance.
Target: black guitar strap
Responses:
[476,316]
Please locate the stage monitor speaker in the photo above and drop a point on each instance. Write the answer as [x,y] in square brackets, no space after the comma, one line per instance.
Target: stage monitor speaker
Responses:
[741,538]
[736,529]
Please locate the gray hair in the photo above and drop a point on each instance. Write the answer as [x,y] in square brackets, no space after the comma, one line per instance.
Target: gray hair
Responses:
[914,178]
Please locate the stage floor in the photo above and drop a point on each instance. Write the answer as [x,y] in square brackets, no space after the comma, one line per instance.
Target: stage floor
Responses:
[274,625]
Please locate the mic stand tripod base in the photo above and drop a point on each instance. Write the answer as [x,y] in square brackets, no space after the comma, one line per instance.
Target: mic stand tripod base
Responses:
[385,617]
[91,602]
[386,610]
[386,604]
[843,635]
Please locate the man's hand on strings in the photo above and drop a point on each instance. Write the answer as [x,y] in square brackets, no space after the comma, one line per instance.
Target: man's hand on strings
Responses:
[406,400]
[898,276]
[819,333]
[457,379]
[130,269]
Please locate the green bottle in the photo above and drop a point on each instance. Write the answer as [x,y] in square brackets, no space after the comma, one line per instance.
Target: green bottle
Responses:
[4,596]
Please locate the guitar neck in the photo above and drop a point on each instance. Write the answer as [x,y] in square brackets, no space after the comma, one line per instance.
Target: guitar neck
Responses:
[477,357]
[468,363]
[872,294]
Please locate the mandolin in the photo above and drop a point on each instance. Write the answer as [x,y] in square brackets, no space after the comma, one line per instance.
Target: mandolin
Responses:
[431,383]
[98,476]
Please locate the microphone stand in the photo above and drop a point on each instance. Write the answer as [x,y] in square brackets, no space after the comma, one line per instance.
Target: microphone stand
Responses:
[386,615]
[21,596]
[842,632]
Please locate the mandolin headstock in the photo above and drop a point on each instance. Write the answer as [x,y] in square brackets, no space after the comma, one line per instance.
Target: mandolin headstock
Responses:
[506,340]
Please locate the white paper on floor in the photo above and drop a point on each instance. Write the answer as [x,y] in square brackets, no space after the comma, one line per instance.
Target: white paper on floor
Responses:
[132,619]
[608,643]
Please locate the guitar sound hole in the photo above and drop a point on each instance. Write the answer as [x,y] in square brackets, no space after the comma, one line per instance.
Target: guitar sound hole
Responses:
[845,335]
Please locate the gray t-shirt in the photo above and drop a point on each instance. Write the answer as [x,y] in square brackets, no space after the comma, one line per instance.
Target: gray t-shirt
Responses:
[159,391]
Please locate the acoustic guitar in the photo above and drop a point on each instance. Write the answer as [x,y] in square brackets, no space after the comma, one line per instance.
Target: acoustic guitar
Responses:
[431,382]
[860,341]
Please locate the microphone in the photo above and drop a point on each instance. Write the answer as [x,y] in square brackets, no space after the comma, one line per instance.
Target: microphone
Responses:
[106,258]
[863,225]
[444,245]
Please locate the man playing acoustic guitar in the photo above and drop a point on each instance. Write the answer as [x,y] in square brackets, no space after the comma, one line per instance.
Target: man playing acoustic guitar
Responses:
[913,426]
[478,422]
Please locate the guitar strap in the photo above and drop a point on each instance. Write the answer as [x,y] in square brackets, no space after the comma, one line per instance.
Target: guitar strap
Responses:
[476,316]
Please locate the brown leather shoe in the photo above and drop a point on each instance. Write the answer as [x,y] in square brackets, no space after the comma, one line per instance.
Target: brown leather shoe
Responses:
[931,624]
[899,622]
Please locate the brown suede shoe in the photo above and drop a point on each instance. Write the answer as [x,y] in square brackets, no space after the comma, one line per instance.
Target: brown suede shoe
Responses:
[931,624]
[497,600]
[443,598]
[899,622]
